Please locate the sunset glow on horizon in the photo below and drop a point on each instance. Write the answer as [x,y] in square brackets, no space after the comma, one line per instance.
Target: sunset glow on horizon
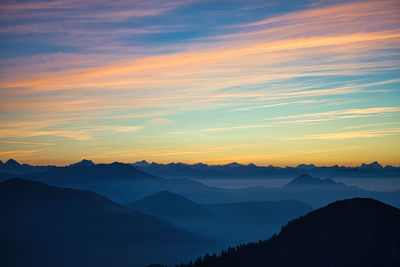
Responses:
[261,82]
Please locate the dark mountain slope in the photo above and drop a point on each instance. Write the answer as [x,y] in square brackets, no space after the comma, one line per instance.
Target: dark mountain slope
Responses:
[43,225]
[6,175]
[354,232]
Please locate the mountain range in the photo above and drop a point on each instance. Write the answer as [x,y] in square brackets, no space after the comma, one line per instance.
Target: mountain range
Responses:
[232,170]
[124,184]
[12,166]
[239,171]
[353,232]
[175,220]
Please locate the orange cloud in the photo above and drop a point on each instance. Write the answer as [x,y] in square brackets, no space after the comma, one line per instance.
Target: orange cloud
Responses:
[349,135]
[159,121]
[18,152]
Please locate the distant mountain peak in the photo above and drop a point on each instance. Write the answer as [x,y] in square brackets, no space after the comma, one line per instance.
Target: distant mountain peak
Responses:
[374,165]
[11,163]
[83,162]
[233,165]
[306,166]
[307,180]
[142,163]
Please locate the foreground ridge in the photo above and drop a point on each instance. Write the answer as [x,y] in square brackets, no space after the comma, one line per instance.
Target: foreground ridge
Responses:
[353,232]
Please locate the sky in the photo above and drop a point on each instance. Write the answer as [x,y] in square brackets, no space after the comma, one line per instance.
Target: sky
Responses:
[264,82]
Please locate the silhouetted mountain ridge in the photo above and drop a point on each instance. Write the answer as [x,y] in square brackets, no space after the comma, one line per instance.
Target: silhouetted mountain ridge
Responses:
[232,170]
[13,166]
[11,163]
[353,232]
[83,162]
[236,170]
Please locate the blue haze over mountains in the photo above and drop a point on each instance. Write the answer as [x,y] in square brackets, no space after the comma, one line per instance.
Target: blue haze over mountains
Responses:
[138,214]
[227,223]
[126,183]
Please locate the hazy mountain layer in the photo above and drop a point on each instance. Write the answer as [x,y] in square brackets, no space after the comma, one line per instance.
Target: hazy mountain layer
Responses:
[229,223]
[124,184]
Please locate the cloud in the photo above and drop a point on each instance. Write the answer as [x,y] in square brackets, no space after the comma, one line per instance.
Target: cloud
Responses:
[341,114]
[102,10]
[303,118]
[306,101]
[60,127]
[160,151]
[198,67]
[349,135]
[392,123]
[228,128]
[125,129]
[240,62]
[159,121]
[18,152]
[92,26]
[26,143]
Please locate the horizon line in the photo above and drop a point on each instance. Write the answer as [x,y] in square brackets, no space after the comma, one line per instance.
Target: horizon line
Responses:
[224,164]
